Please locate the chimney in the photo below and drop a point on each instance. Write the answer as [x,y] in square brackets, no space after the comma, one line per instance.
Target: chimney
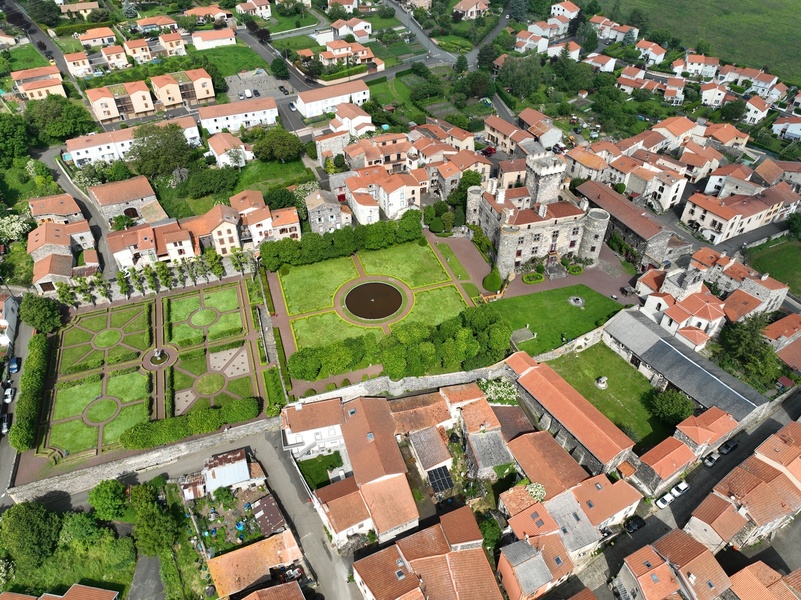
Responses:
[500,196]
[543,209]
[723,254]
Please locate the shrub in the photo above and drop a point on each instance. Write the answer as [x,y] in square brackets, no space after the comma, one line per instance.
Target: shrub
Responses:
[493,282]
[22,436]
[220,348]
[575,269]
[63,385]
[275,392]
[239,411]
[224,333]
[123,357]
[533,278]
[204,421]
[437,226]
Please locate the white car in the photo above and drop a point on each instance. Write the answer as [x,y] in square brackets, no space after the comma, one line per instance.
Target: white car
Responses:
[665,500]
[680,488]
[292,107]
[8,395]
[710,460]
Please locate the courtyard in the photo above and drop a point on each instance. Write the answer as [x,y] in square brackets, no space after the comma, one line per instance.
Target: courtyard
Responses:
[624,401]
[780,260]
[110,377]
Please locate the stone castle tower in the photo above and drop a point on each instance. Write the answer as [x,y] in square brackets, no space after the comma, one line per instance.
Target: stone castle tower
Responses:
[544,176]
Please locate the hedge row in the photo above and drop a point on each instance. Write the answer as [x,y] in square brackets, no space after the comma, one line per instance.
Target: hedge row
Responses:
[268,297]
[62,30]
[63,385]
[279,348]
[357,70]
[169,394]
[22,436]
[197,339]
[376,81]
[275,392]
[198,422]
[96,364]
[228,346]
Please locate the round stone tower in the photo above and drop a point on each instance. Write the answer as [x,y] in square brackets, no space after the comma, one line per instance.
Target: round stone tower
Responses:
[473,204]
[595,223]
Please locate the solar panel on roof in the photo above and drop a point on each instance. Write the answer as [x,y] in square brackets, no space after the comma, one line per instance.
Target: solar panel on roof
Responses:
[440,479]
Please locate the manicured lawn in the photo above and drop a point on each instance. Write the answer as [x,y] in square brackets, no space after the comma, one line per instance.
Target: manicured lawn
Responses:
[453,262]
[262,175]
[182,381]
[277,23]
[181,308]
[315,470]
[71,401]
[298,42]
[327,328]
[140,341]
[225,323]
[312,287]
[392,91]
[68,45]
[223,300]
[471,290]
[781,262]
[242,387]
[194,362]
[233,59]
[128,417]
[414,265]
[184,333]
[73,436]
[129,387]
[76,336]
[453,43]
[432,307]
[101,411]
[25,57]
[624,401]
[121,317]
[140,323]
[550,315]
[380,23]
[95,323]
[108,338]
[203,317]
[211,383]
[729,28]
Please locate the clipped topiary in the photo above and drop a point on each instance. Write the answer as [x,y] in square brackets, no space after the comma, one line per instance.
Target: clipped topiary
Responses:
[493,282]
[437,226]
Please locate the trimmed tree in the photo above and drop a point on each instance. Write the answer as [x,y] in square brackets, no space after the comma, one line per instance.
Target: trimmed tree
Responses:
[672,407]
[108,499]
[43,314]
[29,533]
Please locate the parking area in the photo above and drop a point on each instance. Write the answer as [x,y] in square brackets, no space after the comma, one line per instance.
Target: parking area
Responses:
[257,80]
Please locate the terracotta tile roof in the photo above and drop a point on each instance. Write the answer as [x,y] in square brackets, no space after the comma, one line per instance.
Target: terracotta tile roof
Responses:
[588,159]
[390,502]
[418,412]
[626,469]
[513,421]
[35,72]
[306,416]
[369,435]
[52,264]
[460,526]
[62,204]
[333,91]
[721,515]
[386,574]
[435,574]
[601,499]
[237,108]
[653,278]
[791,355]
[516,499]
[430,541]
[575,413]
[214,34]
[669,457]
[121,191]
[532,521]
[708,427]
[553,548]
[343,504]
[55,234]
[769,171]
[15,596]
[677,126]
[244,567]
[478,416]
[752,582]
[472,576]
[621,209]
[79,592]
[784,447]
[458,394]
[246,200]
[284,591]
[544,461]
[700,571]
[766,493]
[739,304]
[653,574]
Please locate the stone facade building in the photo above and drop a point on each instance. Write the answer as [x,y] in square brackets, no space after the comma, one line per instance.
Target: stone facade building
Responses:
[540,221]
[133,198]
[325,213]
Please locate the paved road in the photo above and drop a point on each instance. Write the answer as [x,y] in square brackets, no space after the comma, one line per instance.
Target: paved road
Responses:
[412,25]
[701,481]
[147,584]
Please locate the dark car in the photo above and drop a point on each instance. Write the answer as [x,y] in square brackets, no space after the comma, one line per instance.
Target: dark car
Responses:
[728,447]
[577,130]
[283,90]
[634,523]
[488,151]
[256,93]
[14,364]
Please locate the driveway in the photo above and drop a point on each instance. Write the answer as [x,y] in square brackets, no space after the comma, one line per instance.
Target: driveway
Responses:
[258,80]
[147,584]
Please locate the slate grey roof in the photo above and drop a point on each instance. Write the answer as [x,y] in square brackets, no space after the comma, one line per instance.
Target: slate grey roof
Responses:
[696,376]
[489,449]
[337,180]
[529,566]
[429,447]
[576,530]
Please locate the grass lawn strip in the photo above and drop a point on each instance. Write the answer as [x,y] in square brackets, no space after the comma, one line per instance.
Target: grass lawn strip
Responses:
[221,400]
[181,308]
[140,323]
[550,315]
[312,287]
[107,339]
[211,383]
[128,417]
[182,381]
[226,322]
[182,332]
[223,300]
[203,317]
[120,317]
[432,307]
[140,340]
[74,354]
[327,328]
[453,262]
[242,387]
[624,400]
[194,363]
[230,60]
[73,436]
[72,401]
[129,387]
[315,470]
[101,411]
[96,323]
[415,265]
[75,335]
[781,262]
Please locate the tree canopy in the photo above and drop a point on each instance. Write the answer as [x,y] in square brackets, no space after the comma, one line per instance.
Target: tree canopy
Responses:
[41,313]
[108,499]
[279,68]
[279,144]
[672,407]
[157,150]
[155,530]
[14,139]
[743,351]
[29,532]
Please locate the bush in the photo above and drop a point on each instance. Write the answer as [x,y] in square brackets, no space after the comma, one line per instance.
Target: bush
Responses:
[575,269]
[22,436]
[493,282]
[240,411]
[533,278]
[63,385]
[437,226]
[224,333]
[672,407]
[204,421]
[85,366]
[68,30]
[275,392]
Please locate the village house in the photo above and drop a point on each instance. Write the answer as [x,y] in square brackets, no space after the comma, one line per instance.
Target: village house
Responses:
[712,94]
[352,119]
[650,52]
[706,431]
[255,8]
[98,36]
[121,101]
[756,109]
[183,87]
[526,41]
[326,214]
[788,128]
[55,248]
[699,161]
[360,29]
[78,64]
[208,14]
[60,209]
[314,103]
[173,44]
[758,580]
[541,127]
[115,57]
[236,115]
[610,30]
[229,151]
[784,336]
[7,40]
[138,50]
[697,65]
[601,62]
[213,38]
[158,23]
[350,6]
[503,135]
[570,48]
[133,198]
[471,9]
[565,9]
[38,83]
[76,592]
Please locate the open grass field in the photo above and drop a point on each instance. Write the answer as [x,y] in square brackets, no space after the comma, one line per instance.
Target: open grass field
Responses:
[625,399]
[748,32]
[315,470]
[380,23]
[432,307]
[551,316]
[415,265]
[312,287]
[396,92]
[233,59]
[781,261]
[327,328]
[278,23]
[298,42]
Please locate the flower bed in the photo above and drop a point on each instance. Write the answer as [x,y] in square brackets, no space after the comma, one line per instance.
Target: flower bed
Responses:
[533,278]
[575,269]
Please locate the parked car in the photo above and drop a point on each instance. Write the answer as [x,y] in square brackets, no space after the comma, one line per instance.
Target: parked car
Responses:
[577,130]
[710,460]
[728,446]
[256,93]
[5,421]
[241,95]
[665,500]
[8,395]
[292,107]
[679,488]
[488,151]
[634,523]
[14,364]
[283,90]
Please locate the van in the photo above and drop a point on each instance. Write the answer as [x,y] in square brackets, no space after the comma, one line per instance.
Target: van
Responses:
[248,94]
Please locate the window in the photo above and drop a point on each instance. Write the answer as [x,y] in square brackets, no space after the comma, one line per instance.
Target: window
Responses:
[558,561]
[539,522]
[654,578]
[590,504]
[647,564]
[575,231]
[576,517]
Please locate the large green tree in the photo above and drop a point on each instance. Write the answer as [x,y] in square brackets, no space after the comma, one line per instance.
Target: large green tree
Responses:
[671,407]
[29,532]
[41,313]
[486,55]
[157,150]
[458,197]
[743,351]
[14,139]
[278,144]
[155,530]
[733,111]
[794,225]
[55,118]
[44,11]
[279,68]
[108,499]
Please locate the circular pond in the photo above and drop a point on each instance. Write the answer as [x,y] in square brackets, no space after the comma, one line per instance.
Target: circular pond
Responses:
[374,300]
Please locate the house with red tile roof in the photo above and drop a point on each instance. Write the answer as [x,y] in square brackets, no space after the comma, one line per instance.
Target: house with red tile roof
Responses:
[597,443]
[55,249]
[663,465]
[716,523]
[283,591]
[759,582]
[529,568]
[76,592]
[706,431]
[650,52]
[646,574]
[606,503]
[61,208]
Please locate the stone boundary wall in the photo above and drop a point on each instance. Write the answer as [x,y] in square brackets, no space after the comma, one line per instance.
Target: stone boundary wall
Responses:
[577,345]
[86,479]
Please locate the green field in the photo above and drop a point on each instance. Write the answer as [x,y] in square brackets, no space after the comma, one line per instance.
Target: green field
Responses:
[278,23]
[551,316]
[327,328]
[453,262]
[312,287]
[748,32]
[432,307]
[233,59]
[298,42]
[625,399]
[780,262]
[380,23]
[415,265]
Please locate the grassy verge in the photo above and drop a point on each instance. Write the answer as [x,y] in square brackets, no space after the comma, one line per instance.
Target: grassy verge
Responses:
[458,270]
[233,59]
[780,261]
